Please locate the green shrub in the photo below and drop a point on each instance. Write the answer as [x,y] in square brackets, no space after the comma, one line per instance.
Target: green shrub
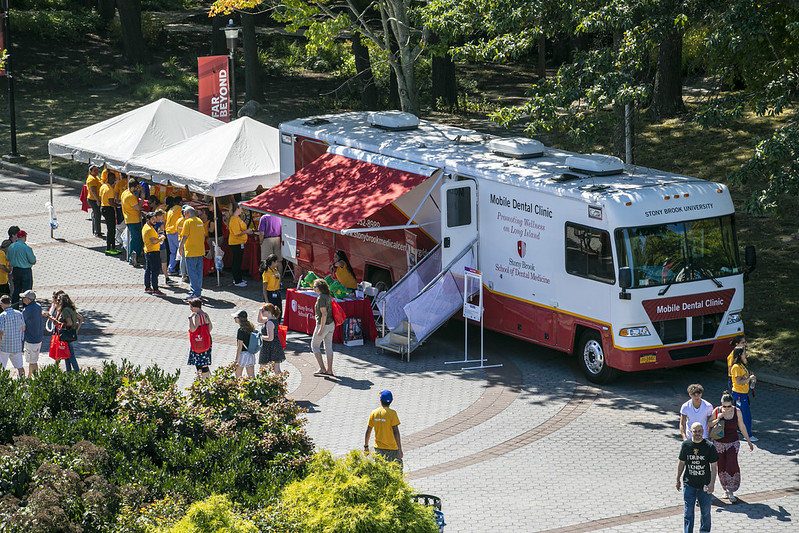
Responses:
[213,515]
[357,493]
[56,25]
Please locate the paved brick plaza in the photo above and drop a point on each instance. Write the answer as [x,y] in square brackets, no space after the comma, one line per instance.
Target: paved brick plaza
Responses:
[530,446]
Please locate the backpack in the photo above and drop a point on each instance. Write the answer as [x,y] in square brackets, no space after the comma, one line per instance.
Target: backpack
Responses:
[255,343]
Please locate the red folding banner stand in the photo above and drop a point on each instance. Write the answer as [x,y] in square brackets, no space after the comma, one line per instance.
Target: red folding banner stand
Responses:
[213,74]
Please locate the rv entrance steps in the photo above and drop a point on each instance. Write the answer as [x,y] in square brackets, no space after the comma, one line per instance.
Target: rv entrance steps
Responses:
[423,300]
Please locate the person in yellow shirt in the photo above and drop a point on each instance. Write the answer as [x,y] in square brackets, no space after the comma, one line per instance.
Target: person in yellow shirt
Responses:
[237,238]
[270,277]
[179,226]
[742,381]
[93,191]
[342,270]
[192,248]
[173,213]
[5,268]
[385,422]
[108,209]
[152,254]
[131,210]
[120,186]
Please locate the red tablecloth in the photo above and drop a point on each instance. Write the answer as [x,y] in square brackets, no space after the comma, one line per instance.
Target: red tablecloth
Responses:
[299,314]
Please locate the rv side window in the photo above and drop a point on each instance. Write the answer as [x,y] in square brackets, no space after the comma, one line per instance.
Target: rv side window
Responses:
[588,253]
[459,207]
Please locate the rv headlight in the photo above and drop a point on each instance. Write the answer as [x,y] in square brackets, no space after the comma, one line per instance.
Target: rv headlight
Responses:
[733,318]
[641,331]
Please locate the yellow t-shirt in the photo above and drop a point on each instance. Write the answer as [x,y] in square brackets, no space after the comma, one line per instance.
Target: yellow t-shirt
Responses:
[5,263]
[739,371]
[93,181]
[107,195]
[148,232]
[172,216]
[194,232]
[383,420]
[272,279]
[120,186]
[129,211]
[345,278]
[235,227]
[179,225]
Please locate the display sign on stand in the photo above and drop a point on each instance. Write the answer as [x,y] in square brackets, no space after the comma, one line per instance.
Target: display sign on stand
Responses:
[472,286]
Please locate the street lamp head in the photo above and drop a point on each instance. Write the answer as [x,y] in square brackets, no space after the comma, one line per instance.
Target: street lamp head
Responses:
[231,35]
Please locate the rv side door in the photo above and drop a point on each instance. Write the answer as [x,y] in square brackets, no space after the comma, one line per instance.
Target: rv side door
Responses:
[458,218]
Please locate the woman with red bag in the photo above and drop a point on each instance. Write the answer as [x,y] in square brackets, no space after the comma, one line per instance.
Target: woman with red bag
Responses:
[67,324]
[200,338]
[272,349]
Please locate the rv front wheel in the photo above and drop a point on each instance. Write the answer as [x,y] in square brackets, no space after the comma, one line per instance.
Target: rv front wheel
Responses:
[592,358]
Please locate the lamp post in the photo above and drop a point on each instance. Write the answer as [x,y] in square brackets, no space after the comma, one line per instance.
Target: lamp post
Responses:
[232,38]
[14,156]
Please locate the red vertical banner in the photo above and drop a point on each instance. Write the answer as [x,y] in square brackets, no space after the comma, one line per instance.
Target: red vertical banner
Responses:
[213,75]
[2,40]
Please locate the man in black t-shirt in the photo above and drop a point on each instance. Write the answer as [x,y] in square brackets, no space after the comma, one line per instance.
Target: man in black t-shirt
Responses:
[697,471]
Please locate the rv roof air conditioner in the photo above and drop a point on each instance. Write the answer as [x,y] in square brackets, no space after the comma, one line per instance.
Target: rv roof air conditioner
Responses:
[517,147]
[393,120]
[595,164]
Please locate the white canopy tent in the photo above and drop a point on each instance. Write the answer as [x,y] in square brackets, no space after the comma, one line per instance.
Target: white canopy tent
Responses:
[119,139]
[233,158]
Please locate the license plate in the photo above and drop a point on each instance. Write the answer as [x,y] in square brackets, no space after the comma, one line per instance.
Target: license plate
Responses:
[648,359]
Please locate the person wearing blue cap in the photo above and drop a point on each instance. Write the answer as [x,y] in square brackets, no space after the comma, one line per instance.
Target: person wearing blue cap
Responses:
[386,423]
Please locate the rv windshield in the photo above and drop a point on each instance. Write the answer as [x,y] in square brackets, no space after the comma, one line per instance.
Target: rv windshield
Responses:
[684,251]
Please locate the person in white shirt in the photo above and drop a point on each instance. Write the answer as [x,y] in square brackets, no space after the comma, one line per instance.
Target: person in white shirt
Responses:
[695,410]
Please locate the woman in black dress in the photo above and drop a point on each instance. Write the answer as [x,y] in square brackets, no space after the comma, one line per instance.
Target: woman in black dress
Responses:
[271,351]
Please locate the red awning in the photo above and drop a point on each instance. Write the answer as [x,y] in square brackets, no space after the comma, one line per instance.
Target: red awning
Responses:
[335,192]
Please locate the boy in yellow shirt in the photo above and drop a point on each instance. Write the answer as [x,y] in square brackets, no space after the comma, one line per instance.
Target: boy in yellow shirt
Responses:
[385,422]
[152,255]
[108,209]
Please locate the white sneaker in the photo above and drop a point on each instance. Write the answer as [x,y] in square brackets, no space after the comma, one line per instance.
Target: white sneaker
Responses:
[242,284]
[732,497]
[753,438]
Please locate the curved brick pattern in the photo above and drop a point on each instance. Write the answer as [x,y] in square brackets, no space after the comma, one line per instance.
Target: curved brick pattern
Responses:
[675,510]
[502,388]
[580,401]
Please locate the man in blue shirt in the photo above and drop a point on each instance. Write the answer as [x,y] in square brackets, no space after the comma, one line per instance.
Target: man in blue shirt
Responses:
[12,335]
[34,330]
[21,259]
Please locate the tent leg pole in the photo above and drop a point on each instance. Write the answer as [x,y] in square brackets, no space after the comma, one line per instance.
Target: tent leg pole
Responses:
[52,232]
[216,243]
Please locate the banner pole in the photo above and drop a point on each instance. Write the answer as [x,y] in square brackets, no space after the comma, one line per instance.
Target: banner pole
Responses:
[216,243]
[52,206]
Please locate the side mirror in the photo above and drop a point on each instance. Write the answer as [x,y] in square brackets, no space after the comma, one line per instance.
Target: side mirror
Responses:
[750,258]
[625,282]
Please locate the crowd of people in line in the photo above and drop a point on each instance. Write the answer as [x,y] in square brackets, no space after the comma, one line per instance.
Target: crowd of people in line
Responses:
[711,439]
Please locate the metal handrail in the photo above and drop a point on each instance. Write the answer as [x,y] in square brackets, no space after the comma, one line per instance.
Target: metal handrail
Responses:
[413,268]
[446,269]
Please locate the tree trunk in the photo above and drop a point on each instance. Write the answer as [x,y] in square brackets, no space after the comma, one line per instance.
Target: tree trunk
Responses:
[542,57]
[393,84]
[406,62]
[444,85]
[106,8]
[218,43]
[132,39]
[363,67]
[252,70]
[667,95]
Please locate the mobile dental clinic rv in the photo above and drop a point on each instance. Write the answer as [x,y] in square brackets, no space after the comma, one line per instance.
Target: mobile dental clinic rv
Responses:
[630,268]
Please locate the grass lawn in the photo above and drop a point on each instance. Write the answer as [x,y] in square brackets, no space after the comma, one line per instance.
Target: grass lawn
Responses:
[51,105]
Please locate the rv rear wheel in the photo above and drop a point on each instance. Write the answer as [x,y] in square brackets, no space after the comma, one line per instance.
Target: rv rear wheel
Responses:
[592,358]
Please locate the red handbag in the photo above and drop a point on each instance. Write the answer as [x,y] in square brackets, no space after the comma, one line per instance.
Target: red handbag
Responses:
[282,331]
[338,313]
[59,350]
[200,338]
